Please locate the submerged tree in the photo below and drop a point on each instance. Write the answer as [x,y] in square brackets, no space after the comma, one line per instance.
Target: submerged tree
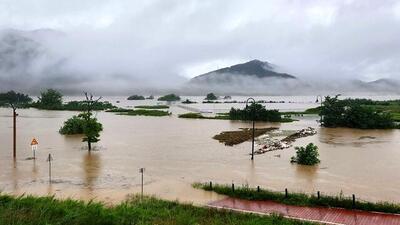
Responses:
[91,128]
[50,99]
[85,123]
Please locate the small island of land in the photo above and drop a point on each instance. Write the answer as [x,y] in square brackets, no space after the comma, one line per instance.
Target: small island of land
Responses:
[136,97]
[139,112]
[169,98]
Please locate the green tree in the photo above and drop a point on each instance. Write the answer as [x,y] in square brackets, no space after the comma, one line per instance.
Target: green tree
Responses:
[50,99]
[85,123]
[211,97]
[354,113]
[73,125]
[15,98]
[169,98]
[91,129]
[306,156]
[257,111]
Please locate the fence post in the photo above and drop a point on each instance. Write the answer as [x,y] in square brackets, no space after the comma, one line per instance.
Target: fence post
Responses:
[211,185]
[258,188]
[233,187]
[354,201]
[319,195]
[286,193]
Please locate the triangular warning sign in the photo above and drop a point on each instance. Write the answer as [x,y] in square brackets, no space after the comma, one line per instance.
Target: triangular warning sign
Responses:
[34,142]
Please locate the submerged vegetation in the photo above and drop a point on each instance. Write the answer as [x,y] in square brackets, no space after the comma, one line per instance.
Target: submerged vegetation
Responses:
[136,97]
[187,101]
[53,100]
[72,126]
[169,98]
[152,107]
[84,124]
[139,112]
[306,155]
[358,113]
[29,210]
[255,111]
[211,97]
[12,97]
[300,199]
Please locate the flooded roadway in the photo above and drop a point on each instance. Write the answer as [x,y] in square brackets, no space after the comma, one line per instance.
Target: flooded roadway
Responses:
[177,152]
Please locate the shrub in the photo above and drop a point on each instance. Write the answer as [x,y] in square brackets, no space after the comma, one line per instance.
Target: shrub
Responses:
[169,98]
[211,97]
[136,97]
[306,156]
[258,111]
[73,125]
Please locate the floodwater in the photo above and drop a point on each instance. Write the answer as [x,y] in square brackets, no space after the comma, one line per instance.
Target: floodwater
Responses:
[177,152]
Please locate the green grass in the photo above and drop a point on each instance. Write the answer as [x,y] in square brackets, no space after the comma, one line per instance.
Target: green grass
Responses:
[220,116]
[28,210]
[145,112]
[152,107]
[300,199]
[116,110]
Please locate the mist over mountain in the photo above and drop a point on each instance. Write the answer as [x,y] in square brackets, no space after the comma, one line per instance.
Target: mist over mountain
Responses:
[31,61]
[261,78]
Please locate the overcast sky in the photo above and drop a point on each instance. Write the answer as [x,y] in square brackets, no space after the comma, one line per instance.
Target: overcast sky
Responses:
[168,39]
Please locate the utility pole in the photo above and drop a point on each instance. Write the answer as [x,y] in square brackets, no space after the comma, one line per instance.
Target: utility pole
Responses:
[14,130]
[141,170]
[49,159]
[253,109]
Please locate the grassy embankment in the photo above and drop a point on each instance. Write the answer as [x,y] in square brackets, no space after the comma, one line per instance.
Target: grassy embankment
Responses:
[30,210]
[300,199]
[391,106]
[220,116]
[152,107]
[139,112]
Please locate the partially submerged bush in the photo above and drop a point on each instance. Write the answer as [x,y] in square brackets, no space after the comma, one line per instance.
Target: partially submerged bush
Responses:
[306,155]
[136,97]
[169,98]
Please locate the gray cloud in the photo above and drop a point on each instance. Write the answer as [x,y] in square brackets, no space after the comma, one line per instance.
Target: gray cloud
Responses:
[126,46]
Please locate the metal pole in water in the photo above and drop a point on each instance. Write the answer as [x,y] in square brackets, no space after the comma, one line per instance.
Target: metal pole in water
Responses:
[141,170]
[253,109]
[49,159]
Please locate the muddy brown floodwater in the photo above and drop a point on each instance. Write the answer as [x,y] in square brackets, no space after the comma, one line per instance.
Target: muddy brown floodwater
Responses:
[177,152]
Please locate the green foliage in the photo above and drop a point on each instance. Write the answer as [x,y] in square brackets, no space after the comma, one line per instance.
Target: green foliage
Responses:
[91,128]
[306,156]
[145,112]
[136,97]
[83,105]
[28,210]
[211,97]
[300,199]
[354,113]
[256,111]
[73,125]
[84,124]
[187,101]
[152,107]
[192,116]
[116,110]
[169,98]
[50,99]
[13,97]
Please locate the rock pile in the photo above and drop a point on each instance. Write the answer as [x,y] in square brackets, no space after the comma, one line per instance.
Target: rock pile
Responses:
[272,144]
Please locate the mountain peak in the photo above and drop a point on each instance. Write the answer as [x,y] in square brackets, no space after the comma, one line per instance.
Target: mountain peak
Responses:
[254,68]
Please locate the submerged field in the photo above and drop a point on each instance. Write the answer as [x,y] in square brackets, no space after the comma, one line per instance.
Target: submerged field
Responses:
[178,152]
